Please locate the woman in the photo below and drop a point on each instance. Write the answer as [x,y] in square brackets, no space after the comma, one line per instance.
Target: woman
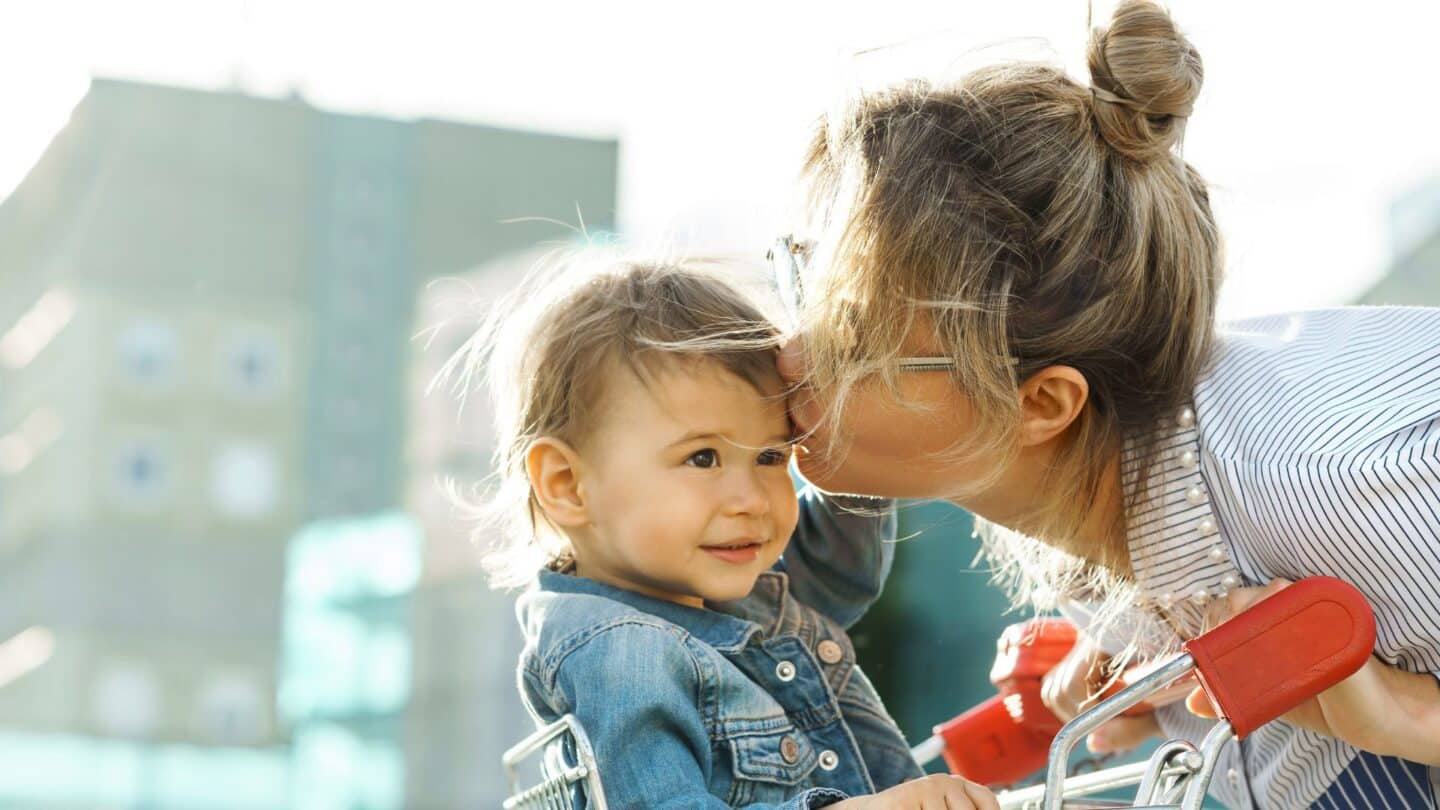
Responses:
[1011,306]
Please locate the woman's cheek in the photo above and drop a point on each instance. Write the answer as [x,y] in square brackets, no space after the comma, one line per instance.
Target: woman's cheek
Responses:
[832,468]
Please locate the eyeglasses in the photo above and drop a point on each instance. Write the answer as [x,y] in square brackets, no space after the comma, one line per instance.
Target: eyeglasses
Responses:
[789,259]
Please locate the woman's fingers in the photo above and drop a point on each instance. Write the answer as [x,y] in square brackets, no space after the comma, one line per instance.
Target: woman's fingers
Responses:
[1123,733]
[1199,704]
[1220,611]
[1065,690]
[1359,710]
[1238,599]
[1310,714]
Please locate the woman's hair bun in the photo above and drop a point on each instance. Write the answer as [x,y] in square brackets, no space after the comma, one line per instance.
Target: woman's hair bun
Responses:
[1145,76]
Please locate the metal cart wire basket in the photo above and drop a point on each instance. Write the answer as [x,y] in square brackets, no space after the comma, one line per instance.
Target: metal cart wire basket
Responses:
[1254,668]
[569,776]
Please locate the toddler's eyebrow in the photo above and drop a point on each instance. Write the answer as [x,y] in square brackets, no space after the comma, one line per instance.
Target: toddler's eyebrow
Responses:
[695,435]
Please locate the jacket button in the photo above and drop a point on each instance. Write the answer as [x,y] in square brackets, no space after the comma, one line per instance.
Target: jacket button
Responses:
[829,760]
[829,652]
[789,749]
[785,671]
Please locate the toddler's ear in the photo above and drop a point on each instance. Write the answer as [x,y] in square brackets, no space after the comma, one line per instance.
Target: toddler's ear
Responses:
[553,468]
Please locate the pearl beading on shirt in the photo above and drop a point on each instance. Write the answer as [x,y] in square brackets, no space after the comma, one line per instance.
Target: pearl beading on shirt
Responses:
[1183,529]
[1360,399]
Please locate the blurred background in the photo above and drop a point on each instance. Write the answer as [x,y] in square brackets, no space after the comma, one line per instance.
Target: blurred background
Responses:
[229,577]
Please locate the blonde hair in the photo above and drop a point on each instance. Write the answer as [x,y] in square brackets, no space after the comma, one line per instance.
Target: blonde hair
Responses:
[548,351]
[1033,221]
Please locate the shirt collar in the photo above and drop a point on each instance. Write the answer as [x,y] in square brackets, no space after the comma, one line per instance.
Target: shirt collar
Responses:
[1178,549]
[727,628]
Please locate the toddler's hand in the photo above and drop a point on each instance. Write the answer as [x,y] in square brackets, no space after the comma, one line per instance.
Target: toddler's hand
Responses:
[938,791]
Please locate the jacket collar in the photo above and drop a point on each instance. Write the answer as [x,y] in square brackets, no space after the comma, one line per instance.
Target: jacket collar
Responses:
[725,626]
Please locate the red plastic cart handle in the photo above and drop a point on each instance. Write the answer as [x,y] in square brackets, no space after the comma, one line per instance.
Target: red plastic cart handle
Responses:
[988,745]
[1028,650]
[1284,650]
[1007,738]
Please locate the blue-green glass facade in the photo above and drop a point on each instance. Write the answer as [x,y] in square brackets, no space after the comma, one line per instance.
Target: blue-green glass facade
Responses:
[345,675]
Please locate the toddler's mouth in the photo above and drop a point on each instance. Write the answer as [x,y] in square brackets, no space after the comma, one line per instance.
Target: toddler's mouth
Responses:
[739,553]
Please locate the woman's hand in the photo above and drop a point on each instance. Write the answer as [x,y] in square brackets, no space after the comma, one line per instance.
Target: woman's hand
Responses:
[938,791]
[1069,688]
[1073,686]
[1381,709]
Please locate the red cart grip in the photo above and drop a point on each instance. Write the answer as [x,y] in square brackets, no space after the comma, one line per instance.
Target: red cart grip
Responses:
[1284,650]
[1028,650]
[988,745]
[1007,738]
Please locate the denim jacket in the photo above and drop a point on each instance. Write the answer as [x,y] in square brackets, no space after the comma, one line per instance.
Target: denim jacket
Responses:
[755,703]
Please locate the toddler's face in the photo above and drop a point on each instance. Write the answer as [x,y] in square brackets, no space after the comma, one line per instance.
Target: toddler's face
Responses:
[686,485]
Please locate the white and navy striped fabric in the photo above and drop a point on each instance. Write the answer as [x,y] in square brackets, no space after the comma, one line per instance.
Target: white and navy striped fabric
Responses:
[1313,448]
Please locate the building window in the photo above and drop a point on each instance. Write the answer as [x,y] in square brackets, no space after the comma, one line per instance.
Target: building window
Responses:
[148,352]
[231,710]
[126,700]
[142,473]
[245,480]
[251,366]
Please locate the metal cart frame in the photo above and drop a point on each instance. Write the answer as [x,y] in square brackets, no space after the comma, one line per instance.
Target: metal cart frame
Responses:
[1277,654]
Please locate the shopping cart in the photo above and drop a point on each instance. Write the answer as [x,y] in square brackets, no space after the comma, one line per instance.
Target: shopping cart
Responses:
[1254,668]
[567,767]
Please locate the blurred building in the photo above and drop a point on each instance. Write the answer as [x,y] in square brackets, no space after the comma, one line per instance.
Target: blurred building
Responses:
[466,709]
[1414,215]
[206,308]
[346,659]
[1414,275]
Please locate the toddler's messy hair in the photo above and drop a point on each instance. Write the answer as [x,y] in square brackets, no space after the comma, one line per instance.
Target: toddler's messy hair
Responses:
[547,350]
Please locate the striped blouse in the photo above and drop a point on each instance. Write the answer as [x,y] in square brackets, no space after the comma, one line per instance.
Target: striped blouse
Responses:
[1313,448]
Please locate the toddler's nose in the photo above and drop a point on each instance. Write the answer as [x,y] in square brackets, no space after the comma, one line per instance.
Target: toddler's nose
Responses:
[747,494]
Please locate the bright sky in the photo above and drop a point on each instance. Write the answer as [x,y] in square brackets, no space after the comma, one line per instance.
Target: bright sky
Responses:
[1312,118]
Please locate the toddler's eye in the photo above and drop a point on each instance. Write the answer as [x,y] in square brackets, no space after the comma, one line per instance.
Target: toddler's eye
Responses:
[704,459]
[775,456]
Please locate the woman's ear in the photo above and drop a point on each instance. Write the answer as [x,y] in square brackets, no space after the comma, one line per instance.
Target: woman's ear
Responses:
[1050,401]
[554,471]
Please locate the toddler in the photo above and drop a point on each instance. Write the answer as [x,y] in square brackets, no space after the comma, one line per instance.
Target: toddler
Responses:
[689,609]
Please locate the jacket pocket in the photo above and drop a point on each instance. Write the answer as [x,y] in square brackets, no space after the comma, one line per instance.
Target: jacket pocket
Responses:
[783,756]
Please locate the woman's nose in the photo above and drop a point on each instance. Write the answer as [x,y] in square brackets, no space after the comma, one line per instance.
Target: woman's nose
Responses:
[791,360]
